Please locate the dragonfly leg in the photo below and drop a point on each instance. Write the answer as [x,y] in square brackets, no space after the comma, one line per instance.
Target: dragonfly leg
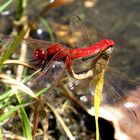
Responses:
[84,75]
[100,63]
[44,63]
[68,62]
[70,69]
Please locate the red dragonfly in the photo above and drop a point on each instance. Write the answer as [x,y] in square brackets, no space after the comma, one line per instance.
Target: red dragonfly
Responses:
[58,52]
[68,55]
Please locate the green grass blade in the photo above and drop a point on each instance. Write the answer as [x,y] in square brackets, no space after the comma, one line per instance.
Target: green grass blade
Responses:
[1,138]
[27,132]
[6,104]
[5,5]
[6,95]
[13,46]
[19,9]
[45,23]
[9,113]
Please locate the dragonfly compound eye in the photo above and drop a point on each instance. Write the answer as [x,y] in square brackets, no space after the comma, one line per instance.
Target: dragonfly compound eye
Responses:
[109,50]
[39,54]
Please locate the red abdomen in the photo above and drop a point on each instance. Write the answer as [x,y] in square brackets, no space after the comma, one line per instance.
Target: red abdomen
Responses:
[92,49]
[107,43]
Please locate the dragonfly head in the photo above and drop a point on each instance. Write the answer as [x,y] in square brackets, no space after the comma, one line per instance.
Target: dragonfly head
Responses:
[110,43]
[39,55]
[109,50]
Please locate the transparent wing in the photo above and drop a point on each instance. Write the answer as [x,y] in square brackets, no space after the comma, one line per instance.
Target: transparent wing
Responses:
[117,100]
[116,97]
[79,90]
[82,40]
[48,77]
[37,43]
[33,43]
[53,70]
[79,31]
[4,40]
